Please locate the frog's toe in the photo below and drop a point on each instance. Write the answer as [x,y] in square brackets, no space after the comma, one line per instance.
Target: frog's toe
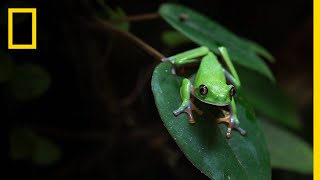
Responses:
[165,59]
[231,125]
[229,135]
[173,71]
[192,121]
[177,112]
[189,112]
[223,120]
[241,131]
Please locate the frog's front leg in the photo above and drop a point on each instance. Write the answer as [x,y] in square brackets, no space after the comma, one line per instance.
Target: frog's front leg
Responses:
[232,120]
[187,105]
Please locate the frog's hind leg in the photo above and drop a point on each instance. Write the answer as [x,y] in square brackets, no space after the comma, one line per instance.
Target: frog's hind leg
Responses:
[233,77]
[188,56]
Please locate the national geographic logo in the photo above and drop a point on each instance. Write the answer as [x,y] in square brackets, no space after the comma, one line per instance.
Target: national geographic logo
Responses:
[33,12]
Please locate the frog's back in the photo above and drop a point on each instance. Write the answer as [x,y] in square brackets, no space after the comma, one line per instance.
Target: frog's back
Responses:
[210,71]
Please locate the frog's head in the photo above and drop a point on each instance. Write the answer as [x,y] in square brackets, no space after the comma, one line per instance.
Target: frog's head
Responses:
[220,95]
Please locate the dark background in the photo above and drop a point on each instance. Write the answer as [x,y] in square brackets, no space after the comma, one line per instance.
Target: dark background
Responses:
[93,73]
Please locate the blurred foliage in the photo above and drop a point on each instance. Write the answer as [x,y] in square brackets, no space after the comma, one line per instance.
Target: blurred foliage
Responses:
[45,152]
[25,82]
[26,145]
[268,99]
[287,151]
[173,39]
[22,142]
[6,66]
[113,14]
[29,81]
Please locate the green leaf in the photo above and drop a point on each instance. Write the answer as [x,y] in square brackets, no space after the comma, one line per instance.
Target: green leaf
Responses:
[45,152]
[26,145]
[206,32]
[174,38]
[115,14]
[288,151]
[21,143]
[268,99]
[205,143]
[6,66]
[29,81]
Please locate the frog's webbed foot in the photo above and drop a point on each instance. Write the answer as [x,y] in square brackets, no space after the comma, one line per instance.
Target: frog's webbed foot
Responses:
[188,109]
[225,119]
[232,123]
[168,59]
[194,107]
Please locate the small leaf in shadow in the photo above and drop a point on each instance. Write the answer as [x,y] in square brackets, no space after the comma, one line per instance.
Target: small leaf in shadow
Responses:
[6,66]
[29,81]
[26,145]
[45,152]
[113,14]
[22,143]
[174,38]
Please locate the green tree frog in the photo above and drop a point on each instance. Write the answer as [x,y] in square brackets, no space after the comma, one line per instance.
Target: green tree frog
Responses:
[210,85]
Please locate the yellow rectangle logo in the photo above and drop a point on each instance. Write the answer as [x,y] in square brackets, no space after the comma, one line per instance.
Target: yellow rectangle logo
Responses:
[33,44]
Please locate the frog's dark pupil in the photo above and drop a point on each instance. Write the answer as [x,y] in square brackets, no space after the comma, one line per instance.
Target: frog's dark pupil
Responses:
[203,90]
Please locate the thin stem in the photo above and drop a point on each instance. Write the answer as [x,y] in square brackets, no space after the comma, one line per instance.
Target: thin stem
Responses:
[130,99]
[136,18]
[100,24]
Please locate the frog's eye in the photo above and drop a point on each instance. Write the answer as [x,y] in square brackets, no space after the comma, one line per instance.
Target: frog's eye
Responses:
[203,90]
[232,91]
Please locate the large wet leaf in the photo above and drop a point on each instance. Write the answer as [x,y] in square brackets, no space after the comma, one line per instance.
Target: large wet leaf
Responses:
[268,99]
[287,151]
[207,32]
[205,143]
